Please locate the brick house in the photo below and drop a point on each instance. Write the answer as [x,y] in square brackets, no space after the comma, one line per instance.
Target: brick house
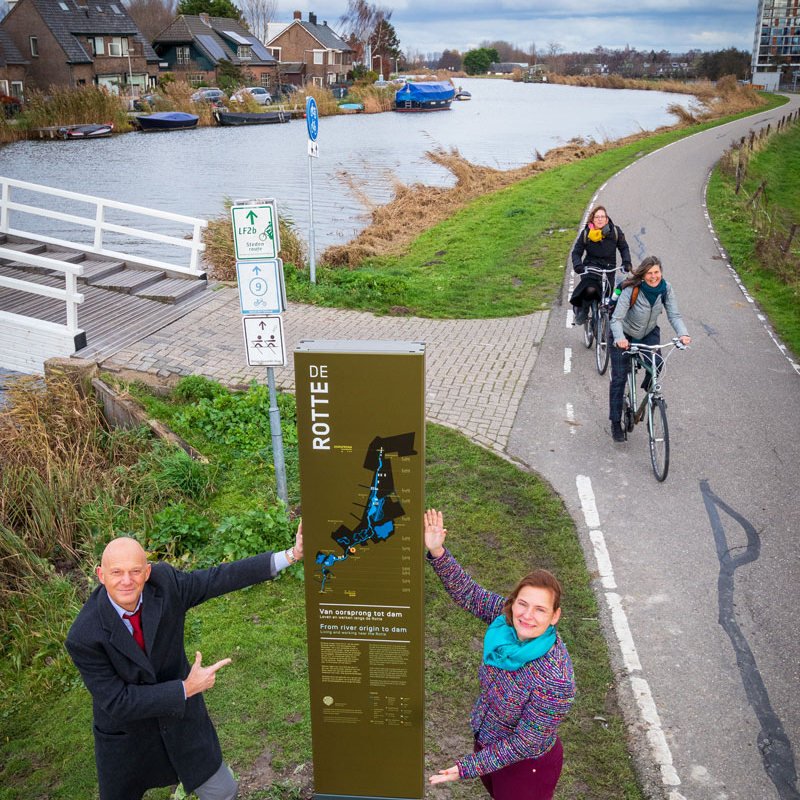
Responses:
[192,46]
[81,42]
[12,68]
[327,57]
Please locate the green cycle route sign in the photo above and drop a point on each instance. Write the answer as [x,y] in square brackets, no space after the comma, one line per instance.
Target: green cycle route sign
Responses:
[255,230]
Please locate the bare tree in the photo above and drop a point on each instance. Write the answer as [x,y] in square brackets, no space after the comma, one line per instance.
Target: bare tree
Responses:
[361,18]
[151,16]
[554,61]
[258,14]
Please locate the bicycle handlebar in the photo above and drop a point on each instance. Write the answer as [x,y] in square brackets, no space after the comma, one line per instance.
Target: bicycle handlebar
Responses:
[600,271]
[675,342]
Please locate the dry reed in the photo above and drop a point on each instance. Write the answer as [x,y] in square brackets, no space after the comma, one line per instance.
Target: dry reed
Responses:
[179,95]
[79,106]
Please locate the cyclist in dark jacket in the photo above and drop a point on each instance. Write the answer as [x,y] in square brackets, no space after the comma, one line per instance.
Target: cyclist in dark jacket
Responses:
[596,246]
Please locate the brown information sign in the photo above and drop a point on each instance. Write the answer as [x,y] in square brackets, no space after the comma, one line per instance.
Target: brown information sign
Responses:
[361,431]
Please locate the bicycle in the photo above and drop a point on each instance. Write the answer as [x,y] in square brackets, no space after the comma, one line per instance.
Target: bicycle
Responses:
[597,327]
[653,403]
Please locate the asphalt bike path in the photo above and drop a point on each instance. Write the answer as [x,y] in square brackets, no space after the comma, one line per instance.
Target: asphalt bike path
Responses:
[697,576]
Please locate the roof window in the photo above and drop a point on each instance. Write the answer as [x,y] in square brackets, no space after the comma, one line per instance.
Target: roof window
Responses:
[115,9]
[63,6]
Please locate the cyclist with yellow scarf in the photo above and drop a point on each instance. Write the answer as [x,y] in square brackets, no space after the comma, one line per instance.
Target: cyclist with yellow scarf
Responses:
[596,246]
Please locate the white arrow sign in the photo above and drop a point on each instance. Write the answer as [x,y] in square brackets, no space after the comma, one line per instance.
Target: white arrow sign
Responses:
[263,341]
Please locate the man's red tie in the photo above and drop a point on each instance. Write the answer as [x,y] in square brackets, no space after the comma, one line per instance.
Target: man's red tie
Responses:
[136,621]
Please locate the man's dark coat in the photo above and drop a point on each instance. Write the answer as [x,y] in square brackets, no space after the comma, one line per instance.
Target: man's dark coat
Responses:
[146,734]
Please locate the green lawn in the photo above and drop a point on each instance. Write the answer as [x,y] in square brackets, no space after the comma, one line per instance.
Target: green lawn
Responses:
[503,522]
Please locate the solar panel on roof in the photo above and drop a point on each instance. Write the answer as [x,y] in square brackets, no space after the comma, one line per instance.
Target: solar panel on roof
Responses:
[236,37]
[259,50]
[212,45]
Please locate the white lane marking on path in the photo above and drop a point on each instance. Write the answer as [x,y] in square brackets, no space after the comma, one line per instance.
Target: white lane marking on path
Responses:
[567,360]
[569,317]
[571,418]
[639,687]
[785,352]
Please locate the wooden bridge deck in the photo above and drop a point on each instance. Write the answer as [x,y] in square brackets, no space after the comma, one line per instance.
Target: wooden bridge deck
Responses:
[111,320]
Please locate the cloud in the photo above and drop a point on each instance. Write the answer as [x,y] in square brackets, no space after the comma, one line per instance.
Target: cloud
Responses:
[641,24]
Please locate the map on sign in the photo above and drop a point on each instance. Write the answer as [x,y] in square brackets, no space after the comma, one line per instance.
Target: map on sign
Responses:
[255,231]
[382,506]
[261,287]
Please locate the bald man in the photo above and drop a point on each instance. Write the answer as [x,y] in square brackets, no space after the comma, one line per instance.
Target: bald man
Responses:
[151,727]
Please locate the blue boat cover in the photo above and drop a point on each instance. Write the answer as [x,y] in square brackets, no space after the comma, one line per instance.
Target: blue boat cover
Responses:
[425,90]
[174,116]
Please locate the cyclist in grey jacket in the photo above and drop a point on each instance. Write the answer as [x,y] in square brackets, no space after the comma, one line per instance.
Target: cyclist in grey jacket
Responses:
[638,323]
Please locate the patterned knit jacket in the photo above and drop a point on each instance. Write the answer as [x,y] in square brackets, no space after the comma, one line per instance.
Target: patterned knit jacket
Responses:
[517,713]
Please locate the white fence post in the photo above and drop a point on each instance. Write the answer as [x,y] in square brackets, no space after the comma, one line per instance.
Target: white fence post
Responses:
[71,285]
[99,219]
[4,212]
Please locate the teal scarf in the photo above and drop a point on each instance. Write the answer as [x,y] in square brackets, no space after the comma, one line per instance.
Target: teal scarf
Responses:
[652,293]
[502,647]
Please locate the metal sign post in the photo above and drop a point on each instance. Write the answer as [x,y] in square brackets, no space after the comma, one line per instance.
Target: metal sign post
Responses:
[262,296]
[312,123]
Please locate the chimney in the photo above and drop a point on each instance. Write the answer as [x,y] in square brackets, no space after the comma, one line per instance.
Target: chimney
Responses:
[312,18]
[298,14]
[205,19]
[81,3]
[325,23]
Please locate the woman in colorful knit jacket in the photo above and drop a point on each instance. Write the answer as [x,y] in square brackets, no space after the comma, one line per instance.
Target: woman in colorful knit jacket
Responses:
[527,685]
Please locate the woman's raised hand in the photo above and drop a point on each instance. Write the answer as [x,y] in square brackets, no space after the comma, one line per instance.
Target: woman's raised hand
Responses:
[434,532]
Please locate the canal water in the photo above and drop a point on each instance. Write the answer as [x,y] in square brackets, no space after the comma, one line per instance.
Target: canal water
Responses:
[192,172]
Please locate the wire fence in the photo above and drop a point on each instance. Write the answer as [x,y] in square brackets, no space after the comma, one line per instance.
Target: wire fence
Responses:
[775,226]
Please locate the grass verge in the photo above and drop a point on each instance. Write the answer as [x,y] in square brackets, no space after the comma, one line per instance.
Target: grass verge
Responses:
[503,522]
[773,278]
[500,255]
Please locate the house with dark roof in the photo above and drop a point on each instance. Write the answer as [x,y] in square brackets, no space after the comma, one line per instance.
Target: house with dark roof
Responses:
[12,68]
[326,56]
[81,42]
[192,46]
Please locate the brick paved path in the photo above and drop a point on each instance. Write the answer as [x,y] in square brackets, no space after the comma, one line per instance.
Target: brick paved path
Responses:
[476,369]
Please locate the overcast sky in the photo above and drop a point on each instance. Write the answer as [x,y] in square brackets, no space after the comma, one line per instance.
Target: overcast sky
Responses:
[577,25]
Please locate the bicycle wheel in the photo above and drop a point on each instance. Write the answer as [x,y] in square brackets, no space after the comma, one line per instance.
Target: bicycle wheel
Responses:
[659,438]
[627,409]
[588,326]
[603,342]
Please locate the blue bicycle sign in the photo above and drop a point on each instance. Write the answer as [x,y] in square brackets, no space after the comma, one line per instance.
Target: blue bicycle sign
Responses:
[312,118]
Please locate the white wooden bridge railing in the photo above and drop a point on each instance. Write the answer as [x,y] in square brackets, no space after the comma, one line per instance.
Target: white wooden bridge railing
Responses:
[69,293]
[97,222]
[25,340]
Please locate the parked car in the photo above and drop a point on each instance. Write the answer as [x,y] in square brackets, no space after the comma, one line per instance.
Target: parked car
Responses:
[257,93]
[212,96]
[145,102]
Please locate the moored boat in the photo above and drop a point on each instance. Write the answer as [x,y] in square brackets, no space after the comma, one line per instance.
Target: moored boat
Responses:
[424,96]
[166,121]
[463,94]
[250,117]
[86,131]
